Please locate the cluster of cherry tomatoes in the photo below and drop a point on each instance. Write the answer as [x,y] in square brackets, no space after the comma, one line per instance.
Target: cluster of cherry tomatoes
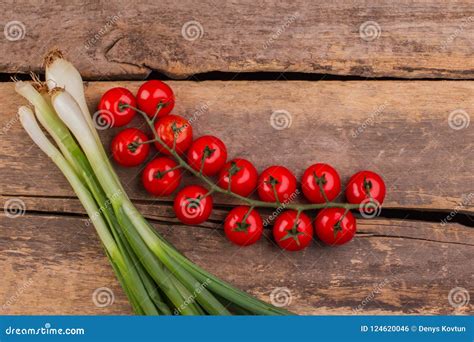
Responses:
[292,229]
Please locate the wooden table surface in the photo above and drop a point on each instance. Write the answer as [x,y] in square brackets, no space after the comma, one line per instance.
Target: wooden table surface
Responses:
[411,126]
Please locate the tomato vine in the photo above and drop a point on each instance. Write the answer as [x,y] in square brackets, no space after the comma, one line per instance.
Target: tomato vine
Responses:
[207,157]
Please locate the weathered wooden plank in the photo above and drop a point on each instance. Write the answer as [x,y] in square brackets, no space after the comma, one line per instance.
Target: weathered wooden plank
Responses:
[126,39]
[52,265]
[162,212]
[400,129]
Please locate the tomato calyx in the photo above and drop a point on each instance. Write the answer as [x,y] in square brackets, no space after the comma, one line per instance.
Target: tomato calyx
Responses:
[241,227]
[321,181]
[162,104]
[159,107]
[367,186]
[273,183]
[122,106]
[338,226]
[192,203]
[206,153]
[132,147]
[293,233]
[233,169]
[160,174]
[177,130]
[199,198]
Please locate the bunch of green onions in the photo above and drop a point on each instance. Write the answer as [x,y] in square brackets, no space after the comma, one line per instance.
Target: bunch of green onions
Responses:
[157,279]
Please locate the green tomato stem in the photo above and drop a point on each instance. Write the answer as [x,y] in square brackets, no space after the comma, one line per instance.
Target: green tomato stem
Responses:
[251,202]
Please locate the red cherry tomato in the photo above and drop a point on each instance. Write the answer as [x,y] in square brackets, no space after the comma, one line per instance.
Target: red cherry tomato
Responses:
[291,236]
[192,206]
[243,233]
[282,178]
[126,148]
[110,110]
[243,179]
[361,184]
[331,229]
[160,177]
[170,126]
[210,150]
[327,177]
[153,93]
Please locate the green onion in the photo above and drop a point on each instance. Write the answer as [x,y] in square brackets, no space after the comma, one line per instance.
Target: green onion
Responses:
[157,279]
[30,125]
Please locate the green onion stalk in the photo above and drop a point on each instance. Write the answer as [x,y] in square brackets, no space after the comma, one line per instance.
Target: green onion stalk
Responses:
[157,278]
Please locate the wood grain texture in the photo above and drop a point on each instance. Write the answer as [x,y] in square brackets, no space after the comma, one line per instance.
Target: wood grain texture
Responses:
[106,40]
[53,261]
[400,130]
[52,265]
